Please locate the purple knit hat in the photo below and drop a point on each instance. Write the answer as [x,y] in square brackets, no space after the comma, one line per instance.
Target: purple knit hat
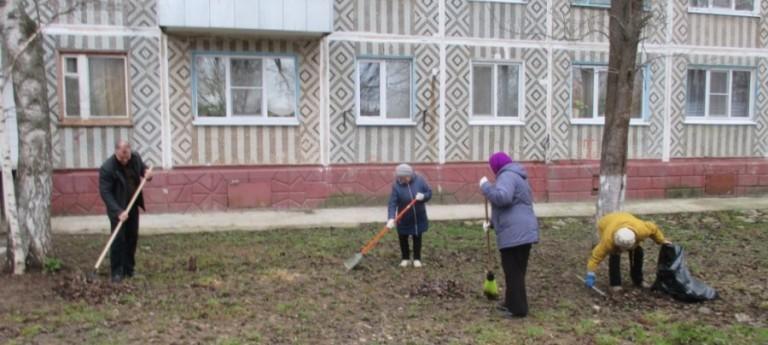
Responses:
[498,160]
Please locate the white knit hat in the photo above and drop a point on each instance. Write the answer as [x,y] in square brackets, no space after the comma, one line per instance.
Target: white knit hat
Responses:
[403,170]
[624,238]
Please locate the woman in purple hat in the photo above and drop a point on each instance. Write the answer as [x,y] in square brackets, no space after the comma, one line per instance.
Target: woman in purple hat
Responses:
[516,227]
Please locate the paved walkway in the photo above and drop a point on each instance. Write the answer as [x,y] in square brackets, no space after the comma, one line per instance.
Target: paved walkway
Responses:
[257,220]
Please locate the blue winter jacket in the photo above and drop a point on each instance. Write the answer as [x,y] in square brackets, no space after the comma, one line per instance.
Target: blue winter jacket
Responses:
[512,204]
[415,221]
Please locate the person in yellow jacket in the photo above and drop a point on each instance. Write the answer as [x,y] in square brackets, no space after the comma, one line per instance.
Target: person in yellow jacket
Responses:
[620,232]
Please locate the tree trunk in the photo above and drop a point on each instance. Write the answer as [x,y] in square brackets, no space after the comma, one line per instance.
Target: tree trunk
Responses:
[626,25]
[17,248]
[34,174]
[17,241]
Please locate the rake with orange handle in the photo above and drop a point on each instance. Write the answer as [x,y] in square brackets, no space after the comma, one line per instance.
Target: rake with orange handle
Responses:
[355,259]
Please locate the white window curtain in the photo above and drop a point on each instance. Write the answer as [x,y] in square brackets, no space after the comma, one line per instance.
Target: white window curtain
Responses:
[94,86]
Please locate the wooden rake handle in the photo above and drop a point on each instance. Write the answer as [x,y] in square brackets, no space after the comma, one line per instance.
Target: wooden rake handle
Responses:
[120,224]
[368,246]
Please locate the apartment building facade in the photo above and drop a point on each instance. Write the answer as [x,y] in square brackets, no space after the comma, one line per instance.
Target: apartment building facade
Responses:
[310,103]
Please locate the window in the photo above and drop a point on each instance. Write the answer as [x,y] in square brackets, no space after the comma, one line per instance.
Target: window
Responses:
[719,94]
[734,7]
[596,3]
[245,90]
[589,92]
[496,92]
[94,89]
[384,91]
[506,1]
[605,3]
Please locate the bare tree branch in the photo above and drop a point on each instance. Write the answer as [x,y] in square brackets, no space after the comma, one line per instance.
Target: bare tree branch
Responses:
[23,47]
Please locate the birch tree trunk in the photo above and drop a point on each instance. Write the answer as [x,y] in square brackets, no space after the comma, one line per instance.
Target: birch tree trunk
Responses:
[17,245]
[17,248]
[627,20]
[22,41]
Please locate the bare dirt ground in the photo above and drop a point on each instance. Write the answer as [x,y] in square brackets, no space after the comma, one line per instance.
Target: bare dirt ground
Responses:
[290,287]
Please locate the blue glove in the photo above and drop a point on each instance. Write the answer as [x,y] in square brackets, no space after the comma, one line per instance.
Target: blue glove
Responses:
[589,280]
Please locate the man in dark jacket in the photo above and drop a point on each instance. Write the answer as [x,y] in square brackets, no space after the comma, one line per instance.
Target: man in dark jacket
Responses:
[409,186]
[119,178]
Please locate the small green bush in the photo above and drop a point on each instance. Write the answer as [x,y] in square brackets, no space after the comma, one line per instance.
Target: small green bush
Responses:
[52,265]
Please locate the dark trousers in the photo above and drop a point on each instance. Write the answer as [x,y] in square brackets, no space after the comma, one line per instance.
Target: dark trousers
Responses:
[122,254]
[635,267]
[405,253]
[514,261]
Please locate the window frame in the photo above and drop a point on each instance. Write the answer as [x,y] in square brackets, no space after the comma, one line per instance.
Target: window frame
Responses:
[710,9]
[588,3]
[88,119]
[644,119]
[729,118]
[230,119]
[494,118]
[520,2]
[382,119]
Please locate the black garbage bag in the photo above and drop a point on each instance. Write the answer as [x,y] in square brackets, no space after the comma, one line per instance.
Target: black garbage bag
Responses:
[674,279]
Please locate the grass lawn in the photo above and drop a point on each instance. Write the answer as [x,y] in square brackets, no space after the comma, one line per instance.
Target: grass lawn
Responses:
[290,287]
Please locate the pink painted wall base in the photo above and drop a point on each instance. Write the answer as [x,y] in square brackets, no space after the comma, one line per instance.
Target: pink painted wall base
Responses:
[187,190]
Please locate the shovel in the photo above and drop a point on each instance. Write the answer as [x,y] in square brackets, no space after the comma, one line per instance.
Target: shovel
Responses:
[355,259]
[119,225]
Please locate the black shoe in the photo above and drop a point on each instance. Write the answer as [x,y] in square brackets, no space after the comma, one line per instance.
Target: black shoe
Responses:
[504,312]
[129,273]
[117,278]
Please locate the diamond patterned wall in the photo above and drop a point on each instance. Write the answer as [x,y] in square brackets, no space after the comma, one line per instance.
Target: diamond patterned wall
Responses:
[656,106]
[131,13]
[140,13]
[485,19]
[180,96]
[580,141]
[763,35]
[679,21]
[561,98]
[84,147]
[677,99]
[715,140]
[351,143]
[457,99]
[238,145]
[582,23]
[344,15]
[401,17]
[535,140]
[88,147]
[465,142]
[761,149]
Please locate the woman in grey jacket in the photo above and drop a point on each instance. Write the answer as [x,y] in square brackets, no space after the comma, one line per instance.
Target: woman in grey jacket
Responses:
[516,227]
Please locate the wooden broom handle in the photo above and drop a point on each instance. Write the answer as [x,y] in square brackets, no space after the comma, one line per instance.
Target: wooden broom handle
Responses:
[488,237]
[368,246]
[120,223]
